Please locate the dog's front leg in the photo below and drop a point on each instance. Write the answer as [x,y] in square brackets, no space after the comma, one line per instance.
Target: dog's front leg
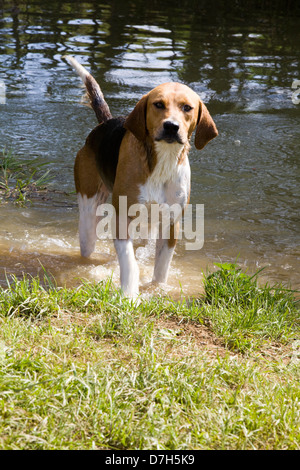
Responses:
[129,270]
[164,252]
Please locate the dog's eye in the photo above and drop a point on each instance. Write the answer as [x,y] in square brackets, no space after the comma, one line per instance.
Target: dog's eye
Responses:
[159,105]
[186,108]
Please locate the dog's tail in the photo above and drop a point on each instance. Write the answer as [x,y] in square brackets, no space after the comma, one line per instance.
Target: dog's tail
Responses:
[95,96]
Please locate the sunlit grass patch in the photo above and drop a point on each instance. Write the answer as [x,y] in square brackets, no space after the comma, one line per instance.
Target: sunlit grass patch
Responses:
[244,313]
[84,368]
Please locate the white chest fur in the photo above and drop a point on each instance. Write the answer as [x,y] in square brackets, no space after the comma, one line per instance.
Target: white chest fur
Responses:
[170,181]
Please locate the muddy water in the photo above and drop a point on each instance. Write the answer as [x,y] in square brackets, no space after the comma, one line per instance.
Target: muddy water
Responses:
[242,64]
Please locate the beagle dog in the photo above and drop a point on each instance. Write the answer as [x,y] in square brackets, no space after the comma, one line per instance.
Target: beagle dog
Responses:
[144,157]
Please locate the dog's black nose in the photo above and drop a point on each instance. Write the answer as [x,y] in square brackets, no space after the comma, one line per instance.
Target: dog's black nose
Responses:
[171,127]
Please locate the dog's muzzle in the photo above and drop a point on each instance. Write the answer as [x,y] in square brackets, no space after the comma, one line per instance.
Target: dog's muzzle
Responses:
[170,133]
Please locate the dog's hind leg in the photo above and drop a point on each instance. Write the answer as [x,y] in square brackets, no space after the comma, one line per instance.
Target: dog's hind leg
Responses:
[91,192]
[88,220]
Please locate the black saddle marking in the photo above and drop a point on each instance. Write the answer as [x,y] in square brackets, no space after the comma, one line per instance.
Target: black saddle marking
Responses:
[105,140]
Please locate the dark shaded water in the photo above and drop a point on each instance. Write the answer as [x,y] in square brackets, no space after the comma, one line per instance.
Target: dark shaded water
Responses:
[241,63]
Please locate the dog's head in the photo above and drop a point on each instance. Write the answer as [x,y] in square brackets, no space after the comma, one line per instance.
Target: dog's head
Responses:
[170,113]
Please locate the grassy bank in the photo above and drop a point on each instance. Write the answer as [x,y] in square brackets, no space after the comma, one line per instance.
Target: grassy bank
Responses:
[82,368]
[23,180]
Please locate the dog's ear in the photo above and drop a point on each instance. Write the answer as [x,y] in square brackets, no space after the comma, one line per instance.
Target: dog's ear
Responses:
[136,120]
[206,129]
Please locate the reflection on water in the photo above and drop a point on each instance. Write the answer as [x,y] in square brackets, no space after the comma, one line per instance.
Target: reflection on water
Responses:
[242,64]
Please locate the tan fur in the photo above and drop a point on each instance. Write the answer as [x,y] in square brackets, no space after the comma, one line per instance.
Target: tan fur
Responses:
[86,175]
[87,179]
[132,170]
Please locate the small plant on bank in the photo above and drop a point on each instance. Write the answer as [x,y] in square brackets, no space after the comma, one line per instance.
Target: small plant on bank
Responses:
[20,180]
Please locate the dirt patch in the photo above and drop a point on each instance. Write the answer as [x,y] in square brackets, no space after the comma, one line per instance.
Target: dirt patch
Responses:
[198,338]
[181,338]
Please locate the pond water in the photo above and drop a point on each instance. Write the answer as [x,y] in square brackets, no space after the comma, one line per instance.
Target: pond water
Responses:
[241,62]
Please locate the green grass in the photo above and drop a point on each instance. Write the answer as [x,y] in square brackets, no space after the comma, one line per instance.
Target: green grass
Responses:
[245,314]
[21,180]
[83,368]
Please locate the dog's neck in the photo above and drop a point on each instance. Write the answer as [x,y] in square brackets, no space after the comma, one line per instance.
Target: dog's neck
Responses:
[164,160]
